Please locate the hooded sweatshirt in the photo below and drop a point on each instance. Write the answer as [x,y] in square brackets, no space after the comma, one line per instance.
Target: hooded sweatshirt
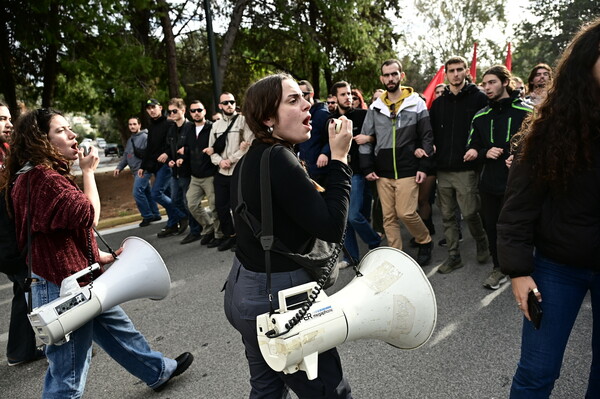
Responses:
[399,128]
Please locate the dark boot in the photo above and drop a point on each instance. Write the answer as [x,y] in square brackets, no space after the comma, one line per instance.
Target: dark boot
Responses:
[429,225]
[424,254]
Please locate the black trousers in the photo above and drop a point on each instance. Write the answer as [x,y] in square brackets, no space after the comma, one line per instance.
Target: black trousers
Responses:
[21,338]
[223,203]
[491,205]
[246,298]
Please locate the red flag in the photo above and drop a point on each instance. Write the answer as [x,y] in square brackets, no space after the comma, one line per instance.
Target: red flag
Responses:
[508,62]
[429,92]
[474,63]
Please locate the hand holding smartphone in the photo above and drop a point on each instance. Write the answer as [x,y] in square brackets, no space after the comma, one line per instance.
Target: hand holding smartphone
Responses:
[535,310]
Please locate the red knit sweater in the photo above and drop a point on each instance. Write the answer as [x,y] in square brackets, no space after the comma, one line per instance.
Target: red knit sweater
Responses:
[61,217]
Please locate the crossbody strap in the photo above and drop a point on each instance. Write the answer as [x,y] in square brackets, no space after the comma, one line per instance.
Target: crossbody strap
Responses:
[228,126]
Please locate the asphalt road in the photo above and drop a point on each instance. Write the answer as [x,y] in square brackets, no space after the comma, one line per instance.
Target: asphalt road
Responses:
[472,353]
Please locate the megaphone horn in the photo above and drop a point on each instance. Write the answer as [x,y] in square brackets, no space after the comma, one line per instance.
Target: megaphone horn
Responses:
[391,300]
[139,272]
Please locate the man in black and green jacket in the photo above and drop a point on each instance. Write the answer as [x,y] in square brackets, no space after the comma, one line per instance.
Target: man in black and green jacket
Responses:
[491,132]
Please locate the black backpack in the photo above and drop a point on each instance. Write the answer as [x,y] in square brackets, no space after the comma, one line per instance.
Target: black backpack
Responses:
[12,261]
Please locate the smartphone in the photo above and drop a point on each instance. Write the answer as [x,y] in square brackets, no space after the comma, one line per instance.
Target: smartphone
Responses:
[535,310]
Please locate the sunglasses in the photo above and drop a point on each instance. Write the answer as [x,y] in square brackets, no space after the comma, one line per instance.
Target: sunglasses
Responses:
[192,111]
[231,102]
[331,102]
[172,111]
[306,93]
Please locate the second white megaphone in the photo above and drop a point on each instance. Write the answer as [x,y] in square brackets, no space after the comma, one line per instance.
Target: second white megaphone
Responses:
[391,300]
[139,272]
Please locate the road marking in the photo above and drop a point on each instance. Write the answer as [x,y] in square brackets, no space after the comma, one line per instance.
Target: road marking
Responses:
[4,302]
[490,297]
[433,271]
[119,229]
[443,334]
[5,286]
[4,337]
[177,283]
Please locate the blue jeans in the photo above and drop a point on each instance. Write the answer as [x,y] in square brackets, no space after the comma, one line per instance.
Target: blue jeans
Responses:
[68,364]
[179,188]
[143,196]
[161,182]
[563,289]
[357,222]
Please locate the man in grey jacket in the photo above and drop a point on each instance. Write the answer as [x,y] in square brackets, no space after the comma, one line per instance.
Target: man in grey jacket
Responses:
[400,123]
[132,155]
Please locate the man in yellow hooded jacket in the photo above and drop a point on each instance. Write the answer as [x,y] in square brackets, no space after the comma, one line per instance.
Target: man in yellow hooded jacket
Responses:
[400,123]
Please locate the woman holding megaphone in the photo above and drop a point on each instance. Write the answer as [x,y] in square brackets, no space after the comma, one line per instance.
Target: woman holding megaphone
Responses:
[61,220]
[302,212]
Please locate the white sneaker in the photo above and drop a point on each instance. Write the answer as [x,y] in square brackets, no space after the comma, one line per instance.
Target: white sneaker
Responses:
[343,264]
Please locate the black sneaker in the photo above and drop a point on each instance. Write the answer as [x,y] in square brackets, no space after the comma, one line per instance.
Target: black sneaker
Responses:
[183,225]
[168,231]
[145,222]
[413,243]
[424,255]
[184,361]
[156,218]
[215,242]
[190,238]
[37,355]
[207,238]
[227,244]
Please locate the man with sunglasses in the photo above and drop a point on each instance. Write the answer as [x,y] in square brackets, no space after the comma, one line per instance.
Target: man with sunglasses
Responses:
[154,161]
[237,141]
[203,172]
[332,104]
[181,171]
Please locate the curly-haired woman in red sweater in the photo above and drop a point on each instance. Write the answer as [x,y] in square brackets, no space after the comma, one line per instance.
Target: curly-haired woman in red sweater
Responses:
[62,217]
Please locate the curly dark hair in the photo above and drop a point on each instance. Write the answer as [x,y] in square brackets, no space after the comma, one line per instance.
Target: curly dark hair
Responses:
[30,143]
[557,139]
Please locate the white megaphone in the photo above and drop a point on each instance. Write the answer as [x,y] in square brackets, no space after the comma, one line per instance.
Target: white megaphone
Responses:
[139,272]
[390,300]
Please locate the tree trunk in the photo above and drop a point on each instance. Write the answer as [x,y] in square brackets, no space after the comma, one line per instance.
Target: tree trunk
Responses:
[170,47]
[229,39]
[314,65]
[51,58]
[8,86]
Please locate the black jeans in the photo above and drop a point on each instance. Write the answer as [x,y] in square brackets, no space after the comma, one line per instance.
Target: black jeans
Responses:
[491,205]
[223,203]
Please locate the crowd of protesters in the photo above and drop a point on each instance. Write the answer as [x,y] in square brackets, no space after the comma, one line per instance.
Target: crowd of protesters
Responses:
[487,153]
